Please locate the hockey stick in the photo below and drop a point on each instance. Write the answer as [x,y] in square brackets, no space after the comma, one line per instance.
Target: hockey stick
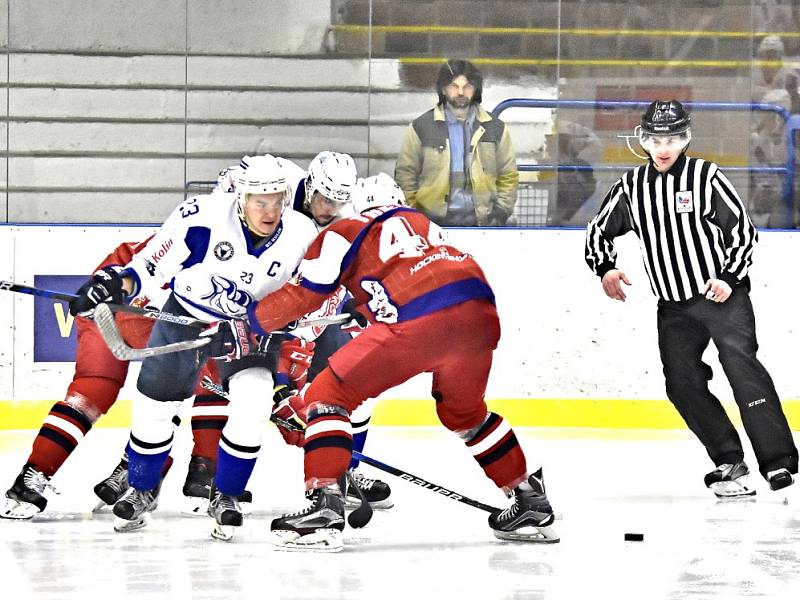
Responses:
[158,315]
[416,480]
[404,475]
[104,319]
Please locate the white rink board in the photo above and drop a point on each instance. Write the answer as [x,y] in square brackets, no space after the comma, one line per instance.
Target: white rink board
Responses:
[562,338]
[57,250]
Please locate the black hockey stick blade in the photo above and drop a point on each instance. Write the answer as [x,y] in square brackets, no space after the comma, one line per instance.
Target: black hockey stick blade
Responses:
[104,319]
[363,514]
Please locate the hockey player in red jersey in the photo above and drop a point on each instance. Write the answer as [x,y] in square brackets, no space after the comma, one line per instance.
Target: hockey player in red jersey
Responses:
[431,310]
[98,378]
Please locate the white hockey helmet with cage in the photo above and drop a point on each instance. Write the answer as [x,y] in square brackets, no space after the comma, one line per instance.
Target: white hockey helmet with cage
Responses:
[332,174]
[264,174]
[377,190]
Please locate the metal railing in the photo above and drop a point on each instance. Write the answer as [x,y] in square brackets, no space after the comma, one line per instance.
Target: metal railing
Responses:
[791,122]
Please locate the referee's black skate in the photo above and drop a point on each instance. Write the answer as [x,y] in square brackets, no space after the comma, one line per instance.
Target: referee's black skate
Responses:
[779,479]
[226,512]
[530,518]
[197,487]
[111,489]
[132,510]
[317,528]
[25,498]
[730,481]
[375,491]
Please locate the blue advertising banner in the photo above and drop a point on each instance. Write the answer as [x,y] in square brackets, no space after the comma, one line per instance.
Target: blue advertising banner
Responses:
[53,326]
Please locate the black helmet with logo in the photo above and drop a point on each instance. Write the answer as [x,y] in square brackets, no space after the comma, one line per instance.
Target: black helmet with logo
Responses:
[665,117]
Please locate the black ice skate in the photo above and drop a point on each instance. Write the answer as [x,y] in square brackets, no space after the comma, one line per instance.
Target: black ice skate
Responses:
[197,488]
[227,514]
[375,491]
[317,528]
[111,489]
[730,481]
[530,518]
[779,479]
[26,498]
[133,508]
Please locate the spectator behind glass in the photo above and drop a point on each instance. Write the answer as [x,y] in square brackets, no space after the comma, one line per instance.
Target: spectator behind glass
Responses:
[456,163]
[772,74]
[773,83]
[571,144]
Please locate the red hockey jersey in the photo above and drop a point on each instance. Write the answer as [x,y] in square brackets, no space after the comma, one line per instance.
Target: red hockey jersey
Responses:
[397,264]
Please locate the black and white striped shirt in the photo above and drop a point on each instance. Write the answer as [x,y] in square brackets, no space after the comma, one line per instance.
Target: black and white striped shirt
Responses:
[692,226]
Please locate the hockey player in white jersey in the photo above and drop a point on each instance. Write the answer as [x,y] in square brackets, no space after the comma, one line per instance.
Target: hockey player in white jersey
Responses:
[323,193]
[219,254]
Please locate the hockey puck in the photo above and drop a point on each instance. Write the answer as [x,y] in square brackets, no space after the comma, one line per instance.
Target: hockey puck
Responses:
[634,537]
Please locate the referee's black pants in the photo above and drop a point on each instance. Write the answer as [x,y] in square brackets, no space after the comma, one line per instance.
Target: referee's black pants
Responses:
[684,331]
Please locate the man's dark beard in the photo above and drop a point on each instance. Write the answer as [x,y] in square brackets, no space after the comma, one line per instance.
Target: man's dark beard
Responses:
[459,103]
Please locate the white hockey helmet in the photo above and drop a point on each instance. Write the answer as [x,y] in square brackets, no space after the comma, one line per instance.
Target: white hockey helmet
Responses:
[264,174]
[377,190]
[771,44]
[332,174]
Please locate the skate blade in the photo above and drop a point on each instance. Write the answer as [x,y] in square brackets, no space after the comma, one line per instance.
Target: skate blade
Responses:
[194,506]
[321,540]
[124,526]
[354,503]
[731,489]
[532,535]
[18,511]
[223,532]
[100,506]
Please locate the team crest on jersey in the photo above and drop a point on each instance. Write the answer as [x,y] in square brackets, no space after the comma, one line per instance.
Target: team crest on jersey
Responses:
[226,297]
[684,202]
[223,251]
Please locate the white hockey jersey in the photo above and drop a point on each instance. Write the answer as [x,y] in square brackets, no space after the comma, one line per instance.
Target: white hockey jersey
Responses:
[205,255]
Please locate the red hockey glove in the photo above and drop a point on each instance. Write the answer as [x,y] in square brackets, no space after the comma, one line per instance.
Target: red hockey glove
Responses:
[230,340]
[295,359]
[289,415]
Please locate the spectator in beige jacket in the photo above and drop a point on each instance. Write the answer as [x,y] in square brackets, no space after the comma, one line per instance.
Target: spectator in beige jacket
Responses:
[456,163]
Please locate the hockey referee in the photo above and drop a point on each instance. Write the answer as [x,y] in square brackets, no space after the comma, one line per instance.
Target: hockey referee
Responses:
[697,243]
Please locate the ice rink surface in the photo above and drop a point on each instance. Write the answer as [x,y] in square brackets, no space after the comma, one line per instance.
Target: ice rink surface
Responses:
[605,483]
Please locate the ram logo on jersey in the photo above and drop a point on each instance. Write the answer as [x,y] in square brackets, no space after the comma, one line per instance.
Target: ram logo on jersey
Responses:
[226,297]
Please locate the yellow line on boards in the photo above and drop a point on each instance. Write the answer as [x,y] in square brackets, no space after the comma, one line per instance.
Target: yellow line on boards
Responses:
[603,62]
[556,413]
[454,29]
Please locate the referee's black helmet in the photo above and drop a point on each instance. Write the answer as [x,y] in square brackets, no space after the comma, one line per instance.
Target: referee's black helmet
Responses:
[665,117]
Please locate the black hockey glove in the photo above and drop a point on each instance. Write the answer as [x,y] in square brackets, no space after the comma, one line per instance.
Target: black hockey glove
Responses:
[359,321]
[230,340]
[104,286]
